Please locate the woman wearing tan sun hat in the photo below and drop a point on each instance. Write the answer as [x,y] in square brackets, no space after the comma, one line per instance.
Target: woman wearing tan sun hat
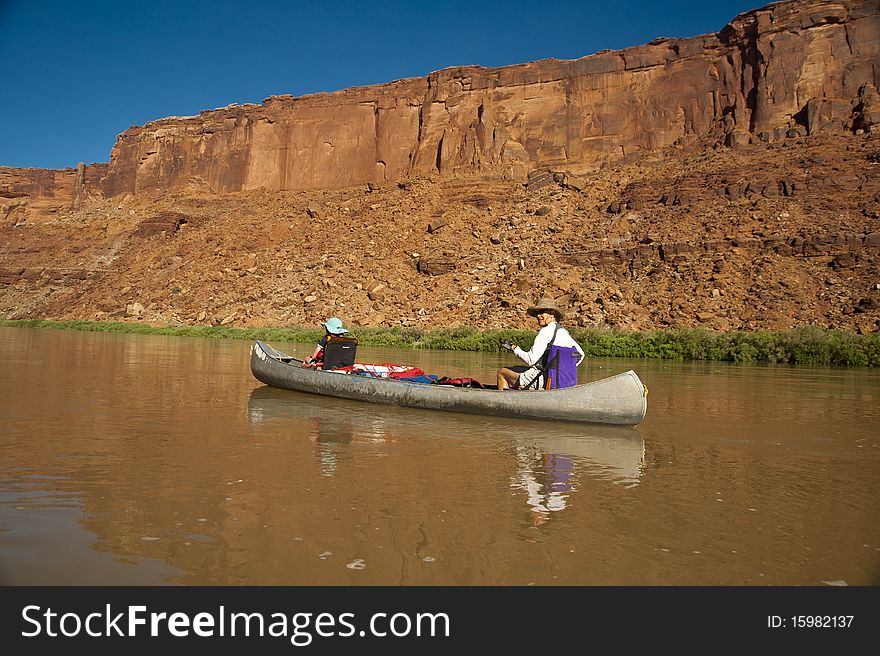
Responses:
[553,359]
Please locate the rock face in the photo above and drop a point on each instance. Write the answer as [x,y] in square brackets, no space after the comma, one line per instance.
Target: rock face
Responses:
[29,194]
[807,63]
[804,65]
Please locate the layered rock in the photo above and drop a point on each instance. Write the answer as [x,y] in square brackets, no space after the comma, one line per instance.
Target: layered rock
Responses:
[803,66]
[806,63]
[35,194]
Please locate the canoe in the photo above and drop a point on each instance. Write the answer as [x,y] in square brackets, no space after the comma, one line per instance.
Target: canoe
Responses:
[618,400]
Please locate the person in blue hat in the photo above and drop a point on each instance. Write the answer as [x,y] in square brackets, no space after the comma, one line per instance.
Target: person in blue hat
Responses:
[333,326]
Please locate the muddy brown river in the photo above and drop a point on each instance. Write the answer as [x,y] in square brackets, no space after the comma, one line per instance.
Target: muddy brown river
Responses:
[129,459]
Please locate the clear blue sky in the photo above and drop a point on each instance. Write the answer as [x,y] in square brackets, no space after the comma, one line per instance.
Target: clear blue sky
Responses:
[76,73]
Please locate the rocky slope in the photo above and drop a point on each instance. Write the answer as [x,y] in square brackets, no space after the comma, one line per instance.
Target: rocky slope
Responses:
[757,236]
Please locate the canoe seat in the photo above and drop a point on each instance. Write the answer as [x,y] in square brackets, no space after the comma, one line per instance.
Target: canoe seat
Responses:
[339,352]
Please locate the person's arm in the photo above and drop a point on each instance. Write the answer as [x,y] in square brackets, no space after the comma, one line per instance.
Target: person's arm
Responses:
[534,354]
[568,339]
[311,358]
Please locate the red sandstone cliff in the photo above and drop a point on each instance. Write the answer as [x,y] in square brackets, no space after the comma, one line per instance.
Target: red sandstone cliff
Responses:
[807,63]
[43,193]
[804,65]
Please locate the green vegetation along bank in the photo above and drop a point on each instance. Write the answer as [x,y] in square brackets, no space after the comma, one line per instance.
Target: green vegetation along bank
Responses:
[807,345]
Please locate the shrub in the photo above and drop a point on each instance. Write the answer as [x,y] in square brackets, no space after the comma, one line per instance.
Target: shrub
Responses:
[809,345]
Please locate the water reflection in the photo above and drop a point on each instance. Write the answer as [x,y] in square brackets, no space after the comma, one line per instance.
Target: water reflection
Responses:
[548,464]
[547,479]
[548,456]
[328,437]
[331,426]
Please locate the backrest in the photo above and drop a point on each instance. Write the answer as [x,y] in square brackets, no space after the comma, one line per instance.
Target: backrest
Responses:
[562,367]
[339,352]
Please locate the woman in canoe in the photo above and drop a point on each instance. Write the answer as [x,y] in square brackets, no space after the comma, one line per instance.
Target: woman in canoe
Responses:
[334,332]
[552,361]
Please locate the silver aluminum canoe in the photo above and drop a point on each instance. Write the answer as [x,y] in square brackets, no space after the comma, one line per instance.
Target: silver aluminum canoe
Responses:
[620,400]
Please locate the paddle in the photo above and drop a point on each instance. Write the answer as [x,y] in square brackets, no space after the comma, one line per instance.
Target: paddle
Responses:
[288,358]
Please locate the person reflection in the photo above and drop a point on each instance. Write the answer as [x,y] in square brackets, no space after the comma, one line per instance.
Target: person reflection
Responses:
[329,424]
[547,478]
[331,439]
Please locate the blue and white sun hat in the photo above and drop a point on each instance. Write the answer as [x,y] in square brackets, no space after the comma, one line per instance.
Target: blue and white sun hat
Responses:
[334,325]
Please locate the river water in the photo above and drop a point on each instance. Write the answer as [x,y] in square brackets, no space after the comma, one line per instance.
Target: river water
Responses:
[128,459]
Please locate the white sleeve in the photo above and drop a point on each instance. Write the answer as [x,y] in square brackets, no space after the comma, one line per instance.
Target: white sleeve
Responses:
[538,346]
[568,339]
[576,346]
[581,351]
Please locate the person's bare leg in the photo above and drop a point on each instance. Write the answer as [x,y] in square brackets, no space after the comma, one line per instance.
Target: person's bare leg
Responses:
[507,378]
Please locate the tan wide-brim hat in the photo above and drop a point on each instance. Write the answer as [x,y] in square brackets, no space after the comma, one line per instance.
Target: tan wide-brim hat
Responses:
[545,305]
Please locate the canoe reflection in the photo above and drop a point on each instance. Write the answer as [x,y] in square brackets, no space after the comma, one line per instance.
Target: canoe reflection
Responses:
[548,464]
[548,455]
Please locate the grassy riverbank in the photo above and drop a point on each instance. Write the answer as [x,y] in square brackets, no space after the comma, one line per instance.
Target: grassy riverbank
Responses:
[805,345]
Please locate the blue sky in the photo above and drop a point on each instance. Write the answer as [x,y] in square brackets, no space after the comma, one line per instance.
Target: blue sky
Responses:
[77,73]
